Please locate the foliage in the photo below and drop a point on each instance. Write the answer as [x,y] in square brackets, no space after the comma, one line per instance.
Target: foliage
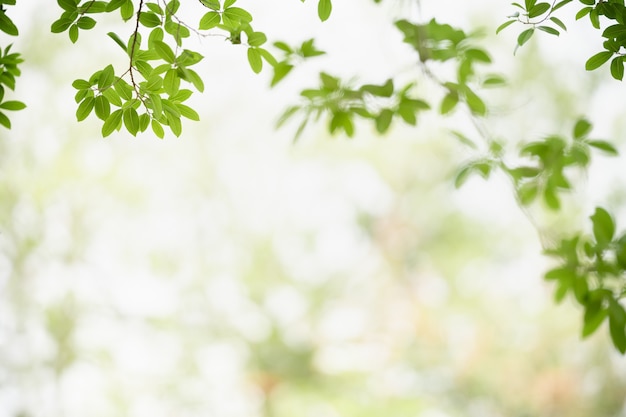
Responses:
[152,91]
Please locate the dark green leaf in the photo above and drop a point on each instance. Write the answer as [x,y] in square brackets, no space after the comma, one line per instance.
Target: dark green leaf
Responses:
[598,60]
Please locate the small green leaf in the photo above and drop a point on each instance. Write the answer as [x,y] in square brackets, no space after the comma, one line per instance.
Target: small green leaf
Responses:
[73,33]
[112,122]
[107,76]
[603,146]
[102,107]
[86,22]
[117,40]
[164,51]
[158,129]
[8,27]
[475,103]
[504,26]
[558,22]
[254,58]
[188,112]
[280,71]
[603,226]
[548,29]
[12,105]
[525,36]
[617,67]
[324,8]
[581,128]
[131,120]
[560,4]
[85,108]
[257,39]
[127,10]
[449,102]
[598,60]
[383,120]
[171,81]
[209,21]
[237,14]
[538,9]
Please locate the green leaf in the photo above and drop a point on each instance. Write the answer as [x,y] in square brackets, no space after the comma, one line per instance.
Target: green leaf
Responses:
[493,81]
[112,122]
[598,60]
[13,105]
[188,112]
[237,14]
[209,20]
[131,120]
[280,71]
[174,124]
[194,79]
[4,121]
[617,67]
[594,317]
[525,36]
[478,55]
[385,90]
[583,12]
[171,82]
[558,22]
[548,29]
[475,103]
[149,20]
[85,108]
[449,102]
[7,25]
[73,33]
[117,40]
[211,4]
[81,84]
[164,51]
[581,128]
[102,107]
[158,129]
[127,10]
[112,96]
[383,120]
[107,76]
[58,26]
[603,226]
[324,8]
[538,9]
[560,4]
[86,22]
[504,26]
[68,5]
[254,58]
[257,39]
[617,325]
[603,146]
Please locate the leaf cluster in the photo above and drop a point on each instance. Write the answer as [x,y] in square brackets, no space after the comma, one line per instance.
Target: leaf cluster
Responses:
[592,268]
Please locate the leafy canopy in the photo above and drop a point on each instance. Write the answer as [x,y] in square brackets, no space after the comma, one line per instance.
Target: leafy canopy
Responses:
[150,92]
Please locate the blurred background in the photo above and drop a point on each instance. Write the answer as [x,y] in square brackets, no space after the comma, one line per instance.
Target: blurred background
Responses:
[233,273]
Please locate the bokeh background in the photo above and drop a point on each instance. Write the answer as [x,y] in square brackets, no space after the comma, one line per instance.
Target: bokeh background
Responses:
[233,273]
